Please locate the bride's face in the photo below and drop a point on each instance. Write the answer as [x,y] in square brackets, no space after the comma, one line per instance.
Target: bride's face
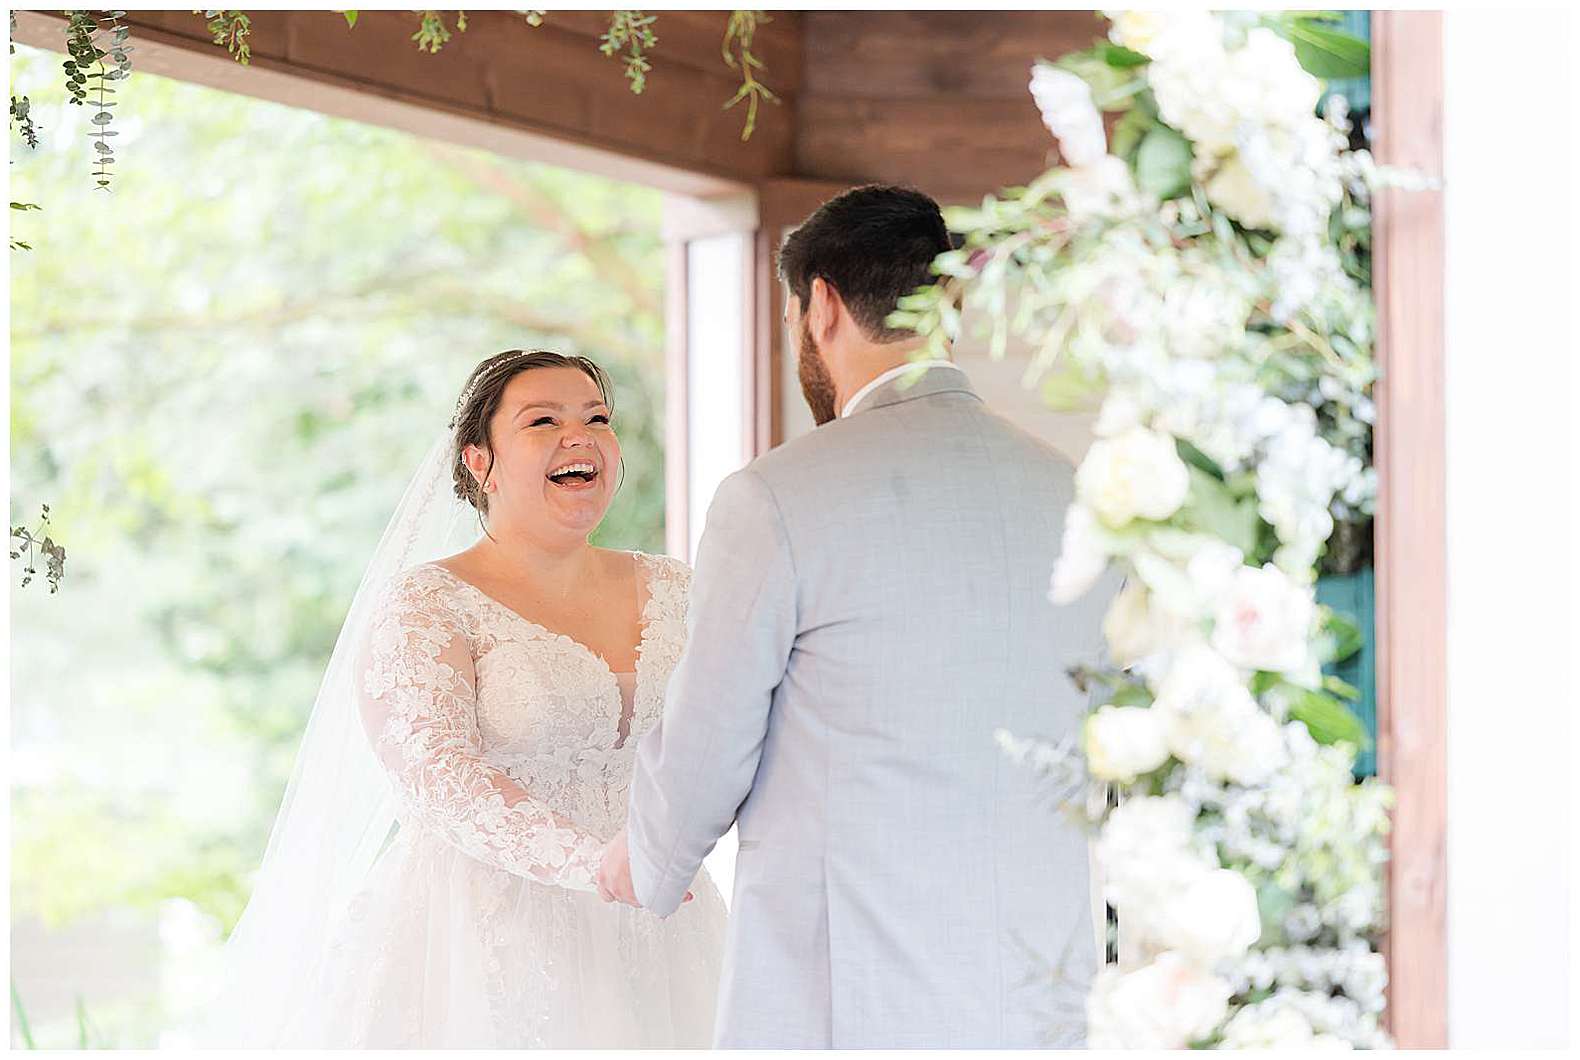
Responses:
[556,457]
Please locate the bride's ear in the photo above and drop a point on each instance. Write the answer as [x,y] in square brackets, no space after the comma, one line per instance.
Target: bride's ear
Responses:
[477,461]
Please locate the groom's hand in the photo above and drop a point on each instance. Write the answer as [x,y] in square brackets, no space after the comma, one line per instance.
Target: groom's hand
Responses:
[614,874]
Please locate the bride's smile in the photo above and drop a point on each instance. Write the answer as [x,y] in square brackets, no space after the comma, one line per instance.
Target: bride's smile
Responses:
[552,444]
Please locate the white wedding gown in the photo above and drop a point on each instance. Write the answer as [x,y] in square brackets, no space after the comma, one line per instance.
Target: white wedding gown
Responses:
[510,748]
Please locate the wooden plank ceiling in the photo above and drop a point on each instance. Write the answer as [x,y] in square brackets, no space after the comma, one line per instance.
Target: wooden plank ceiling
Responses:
[933,98]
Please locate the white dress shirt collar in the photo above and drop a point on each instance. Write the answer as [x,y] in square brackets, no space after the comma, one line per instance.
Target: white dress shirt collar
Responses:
[892,373]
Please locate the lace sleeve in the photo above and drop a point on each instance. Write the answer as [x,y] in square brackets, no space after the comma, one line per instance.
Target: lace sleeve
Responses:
[418,704]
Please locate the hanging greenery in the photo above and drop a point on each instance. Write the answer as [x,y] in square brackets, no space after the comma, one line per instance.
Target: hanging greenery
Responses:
[231,30]
[21,106]
[80,28]
[21,113]
[17,244]
[738,55]
[631,32]
[21,116]
[86,63]
[29,545]
[433,34]
[118,53]
[631,35]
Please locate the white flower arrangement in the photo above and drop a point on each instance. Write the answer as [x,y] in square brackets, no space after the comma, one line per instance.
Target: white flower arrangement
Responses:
[1203,273]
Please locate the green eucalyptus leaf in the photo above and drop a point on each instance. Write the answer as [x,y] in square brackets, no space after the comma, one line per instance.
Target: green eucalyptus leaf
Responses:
[1120,56]
[1328,53]
[1273,904]
[1112,87]
[1341,688]
[1328,719]
[1316,16]
[1214,509]
[1129,132]
[1196,458]
[1341,637]
[1130,694]
[1163,163]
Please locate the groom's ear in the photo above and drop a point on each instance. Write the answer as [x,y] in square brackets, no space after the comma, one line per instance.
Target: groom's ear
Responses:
[823,310]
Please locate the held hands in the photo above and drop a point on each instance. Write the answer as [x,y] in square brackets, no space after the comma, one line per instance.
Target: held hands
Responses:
[614,874]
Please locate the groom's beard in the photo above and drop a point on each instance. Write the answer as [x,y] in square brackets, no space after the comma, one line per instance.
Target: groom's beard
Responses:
[817,386]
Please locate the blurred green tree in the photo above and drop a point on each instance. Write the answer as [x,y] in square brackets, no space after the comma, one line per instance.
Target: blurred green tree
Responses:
[221,375]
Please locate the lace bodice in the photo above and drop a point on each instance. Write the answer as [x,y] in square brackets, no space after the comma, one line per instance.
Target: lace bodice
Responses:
[505,737]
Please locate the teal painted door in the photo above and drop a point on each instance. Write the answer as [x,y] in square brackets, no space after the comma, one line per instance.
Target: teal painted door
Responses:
[1354,595]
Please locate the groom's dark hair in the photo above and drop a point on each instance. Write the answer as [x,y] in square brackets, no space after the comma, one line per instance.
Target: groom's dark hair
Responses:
[873,245]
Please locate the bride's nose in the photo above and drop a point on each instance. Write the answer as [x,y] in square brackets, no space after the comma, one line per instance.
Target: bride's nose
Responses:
[576,436]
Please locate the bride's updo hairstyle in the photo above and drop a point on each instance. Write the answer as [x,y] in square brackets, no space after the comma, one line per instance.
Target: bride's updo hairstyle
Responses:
[480,399]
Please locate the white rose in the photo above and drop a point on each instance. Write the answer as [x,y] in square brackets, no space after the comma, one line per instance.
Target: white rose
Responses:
[1210,719]
[1167,35]
[1128,627]
[1230,185]
[1065,101]
[1196,674]
[1082,556]
[1256,753]
[1276,88]
[1141,630]
[1147,824]
[1264,620]
[1229,739]
[1119,413]
[1211,917]
[1166,1004]
[1137,30]
[1137,473]
[1212,567]
[1140,839]
[1186,573]
[1100,188]
[1121,743]
[1144,857]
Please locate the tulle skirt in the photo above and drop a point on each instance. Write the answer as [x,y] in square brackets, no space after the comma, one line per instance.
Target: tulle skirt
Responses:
[439,950]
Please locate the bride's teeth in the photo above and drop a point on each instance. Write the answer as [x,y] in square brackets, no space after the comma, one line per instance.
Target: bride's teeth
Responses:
[574,469]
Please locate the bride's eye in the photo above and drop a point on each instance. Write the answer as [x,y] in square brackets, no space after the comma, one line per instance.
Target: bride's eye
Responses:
[600,418]
[540,421]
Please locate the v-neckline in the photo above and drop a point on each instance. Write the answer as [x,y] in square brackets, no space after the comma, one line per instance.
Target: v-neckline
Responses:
[645,572]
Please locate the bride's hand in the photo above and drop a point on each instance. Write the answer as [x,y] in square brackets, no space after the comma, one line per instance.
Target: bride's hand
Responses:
[614,874]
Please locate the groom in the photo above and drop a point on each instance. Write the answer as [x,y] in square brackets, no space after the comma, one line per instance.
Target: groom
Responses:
[869,607]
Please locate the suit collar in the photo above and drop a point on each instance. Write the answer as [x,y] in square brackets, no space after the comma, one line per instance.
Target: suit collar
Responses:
[908,382]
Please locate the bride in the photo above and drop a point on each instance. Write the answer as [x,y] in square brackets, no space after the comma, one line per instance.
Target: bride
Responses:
[502,691]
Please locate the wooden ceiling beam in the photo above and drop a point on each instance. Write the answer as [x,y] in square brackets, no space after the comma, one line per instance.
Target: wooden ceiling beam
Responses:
[542,93]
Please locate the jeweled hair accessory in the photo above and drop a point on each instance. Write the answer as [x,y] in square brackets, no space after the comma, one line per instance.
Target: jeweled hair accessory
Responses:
[478,380]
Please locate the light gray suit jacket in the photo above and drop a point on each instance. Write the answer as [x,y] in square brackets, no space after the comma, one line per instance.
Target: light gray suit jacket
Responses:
[869,605]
